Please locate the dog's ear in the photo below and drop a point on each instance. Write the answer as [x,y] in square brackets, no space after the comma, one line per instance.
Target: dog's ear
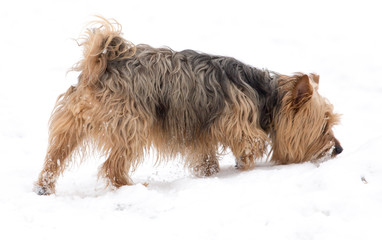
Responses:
[315,77]
[302,91]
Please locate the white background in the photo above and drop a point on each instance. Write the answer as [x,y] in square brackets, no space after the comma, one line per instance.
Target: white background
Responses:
[340,40]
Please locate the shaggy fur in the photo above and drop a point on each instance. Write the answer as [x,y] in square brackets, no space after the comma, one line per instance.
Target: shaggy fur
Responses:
[130,98]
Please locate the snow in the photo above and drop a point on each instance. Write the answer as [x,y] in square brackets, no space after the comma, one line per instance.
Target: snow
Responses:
[337,199]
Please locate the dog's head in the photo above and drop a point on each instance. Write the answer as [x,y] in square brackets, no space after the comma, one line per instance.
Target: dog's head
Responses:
[302,127]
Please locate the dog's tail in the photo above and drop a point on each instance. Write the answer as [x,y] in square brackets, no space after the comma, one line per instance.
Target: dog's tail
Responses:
[102,42]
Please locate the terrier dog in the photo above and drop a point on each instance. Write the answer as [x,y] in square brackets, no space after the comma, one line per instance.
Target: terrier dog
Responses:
[131,98]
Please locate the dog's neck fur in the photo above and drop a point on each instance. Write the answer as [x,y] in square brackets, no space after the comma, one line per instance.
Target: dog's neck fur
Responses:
[263,82]
[271,102]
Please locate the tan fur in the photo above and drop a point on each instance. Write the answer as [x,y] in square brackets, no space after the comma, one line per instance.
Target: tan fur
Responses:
[302,130]
[131,98]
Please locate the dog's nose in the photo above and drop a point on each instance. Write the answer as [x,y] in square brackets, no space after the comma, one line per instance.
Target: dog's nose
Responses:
[338,149]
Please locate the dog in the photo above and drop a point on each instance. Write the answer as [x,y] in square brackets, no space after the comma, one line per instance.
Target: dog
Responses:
[130,98]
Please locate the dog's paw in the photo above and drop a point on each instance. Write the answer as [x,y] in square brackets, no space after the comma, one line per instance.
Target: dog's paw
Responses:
[245,163]
[42,190]
[206,169]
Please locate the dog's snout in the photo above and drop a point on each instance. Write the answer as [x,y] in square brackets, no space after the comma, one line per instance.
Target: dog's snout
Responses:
[338,149]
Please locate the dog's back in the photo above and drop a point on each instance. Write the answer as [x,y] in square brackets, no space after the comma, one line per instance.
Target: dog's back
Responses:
[185,92]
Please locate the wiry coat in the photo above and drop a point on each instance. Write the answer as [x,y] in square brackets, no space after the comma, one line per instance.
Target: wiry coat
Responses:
[130,98]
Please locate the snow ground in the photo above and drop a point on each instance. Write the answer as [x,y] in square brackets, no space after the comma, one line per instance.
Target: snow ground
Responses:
[339,199]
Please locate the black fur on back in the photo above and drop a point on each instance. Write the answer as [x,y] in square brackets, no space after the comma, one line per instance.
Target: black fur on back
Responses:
[189,90]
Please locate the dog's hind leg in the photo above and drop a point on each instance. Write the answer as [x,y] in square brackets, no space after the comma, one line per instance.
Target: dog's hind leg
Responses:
[117,166]
[125,147]
[65,135]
